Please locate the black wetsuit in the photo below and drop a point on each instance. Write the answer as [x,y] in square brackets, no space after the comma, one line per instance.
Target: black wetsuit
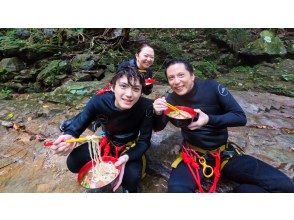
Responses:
[120,126]
[223,111]
[147,73]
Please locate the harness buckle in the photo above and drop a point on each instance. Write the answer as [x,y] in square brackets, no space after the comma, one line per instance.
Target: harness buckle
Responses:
[207,170]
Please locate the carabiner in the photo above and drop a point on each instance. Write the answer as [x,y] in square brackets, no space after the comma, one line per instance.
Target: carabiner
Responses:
[207,170]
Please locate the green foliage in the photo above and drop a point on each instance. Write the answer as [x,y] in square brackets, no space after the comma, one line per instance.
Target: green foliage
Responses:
[5,94]
[205,69]
[238,38]
[113,57]
[242,69]
[53,73]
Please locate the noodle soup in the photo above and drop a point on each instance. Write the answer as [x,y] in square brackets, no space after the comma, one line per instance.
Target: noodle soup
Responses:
[179,115]
[100,175]
[181,118]
[95,175]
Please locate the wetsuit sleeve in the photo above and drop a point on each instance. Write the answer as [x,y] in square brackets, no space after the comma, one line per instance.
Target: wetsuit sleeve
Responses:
[159,122]
[143,143]
[233,113]
[83,120]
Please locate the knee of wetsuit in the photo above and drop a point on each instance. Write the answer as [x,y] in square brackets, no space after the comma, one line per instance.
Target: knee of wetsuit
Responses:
[248,188]
[131,187]
[283,186]
[72,165]
[179,189]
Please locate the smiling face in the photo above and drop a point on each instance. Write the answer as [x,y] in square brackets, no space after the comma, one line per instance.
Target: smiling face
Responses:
[126,93]
[179,78]
[145,57]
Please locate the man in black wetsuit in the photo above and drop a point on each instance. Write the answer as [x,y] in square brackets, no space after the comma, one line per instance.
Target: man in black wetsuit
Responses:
[126,119]
[205,141]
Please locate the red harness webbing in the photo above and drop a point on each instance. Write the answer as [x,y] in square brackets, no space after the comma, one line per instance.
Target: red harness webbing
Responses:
[190,158]
[105,147]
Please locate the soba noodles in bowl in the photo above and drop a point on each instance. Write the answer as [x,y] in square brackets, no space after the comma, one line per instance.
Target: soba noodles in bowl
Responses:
[181,118]
[97,175]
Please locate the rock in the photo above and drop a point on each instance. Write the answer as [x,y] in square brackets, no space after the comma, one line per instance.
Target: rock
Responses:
[12,64]
[7,124]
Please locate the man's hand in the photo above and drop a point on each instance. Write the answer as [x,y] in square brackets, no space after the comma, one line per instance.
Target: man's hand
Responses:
[159,105]
[61,147]
[122,160]
[202,120]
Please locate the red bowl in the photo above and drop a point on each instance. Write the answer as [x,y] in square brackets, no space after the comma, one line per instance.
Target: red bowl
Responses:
[182,123]
[149,81]
[88,166]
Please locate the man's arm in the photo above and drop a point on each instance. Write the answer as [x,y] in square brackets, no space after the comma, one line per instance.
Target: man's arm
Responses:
[233,115]
[83,120]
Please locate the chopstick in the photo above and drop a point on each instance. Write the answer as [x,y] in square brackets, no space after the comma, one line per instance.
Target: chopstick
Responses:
[172,107]
[72,140]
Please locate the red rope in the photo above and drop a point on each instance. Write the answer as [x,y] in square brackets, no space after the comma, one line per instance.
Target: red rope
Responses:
[216,171]
[103,90]
[194,169]
[189,157]
[118,150]
[104,146]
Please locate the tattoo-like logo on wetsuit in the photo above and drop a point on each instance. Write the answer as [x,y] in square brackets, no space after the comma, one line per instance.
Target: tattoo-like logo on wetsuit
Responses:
[222,90]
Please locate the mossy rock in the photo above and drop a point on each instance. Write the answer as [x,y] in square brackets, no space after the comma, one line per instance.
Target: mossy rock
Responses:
[268,43]
[53,72]
[84,62]
[12,64]
[39,51]
[9,51]
[72,93]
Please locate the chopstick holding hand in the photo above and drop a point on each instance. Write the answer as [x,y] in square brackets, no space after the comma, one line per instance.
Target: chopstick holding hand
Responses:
[159,105]
[61,147]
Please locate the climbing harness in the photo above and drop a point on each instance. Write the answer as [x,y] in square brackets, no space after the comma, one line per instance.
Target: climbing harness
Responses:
[195,158]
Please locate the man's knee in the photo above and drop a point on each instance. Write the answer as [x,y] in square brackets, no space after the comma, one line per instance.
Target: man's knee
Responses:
[248,188]
[72,164]
[179,189]
[284,185]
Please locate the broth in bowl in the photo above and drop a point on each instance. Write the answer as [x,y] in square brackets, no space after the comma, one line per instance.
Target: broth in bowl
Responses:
[181,118]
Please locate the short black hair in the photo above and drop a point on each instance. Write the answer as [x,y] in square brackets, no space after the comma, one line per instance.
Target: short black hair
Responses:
[141,46]
[187,65]
[131,73]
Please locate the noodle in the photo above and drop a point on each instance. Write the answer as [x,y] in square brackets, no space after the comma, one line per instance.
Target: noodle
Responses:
[179,115]
[101,173]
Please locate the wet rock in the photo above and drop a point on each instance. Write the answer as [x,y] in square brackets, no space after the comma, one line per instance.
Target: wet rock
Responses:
[7,124]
